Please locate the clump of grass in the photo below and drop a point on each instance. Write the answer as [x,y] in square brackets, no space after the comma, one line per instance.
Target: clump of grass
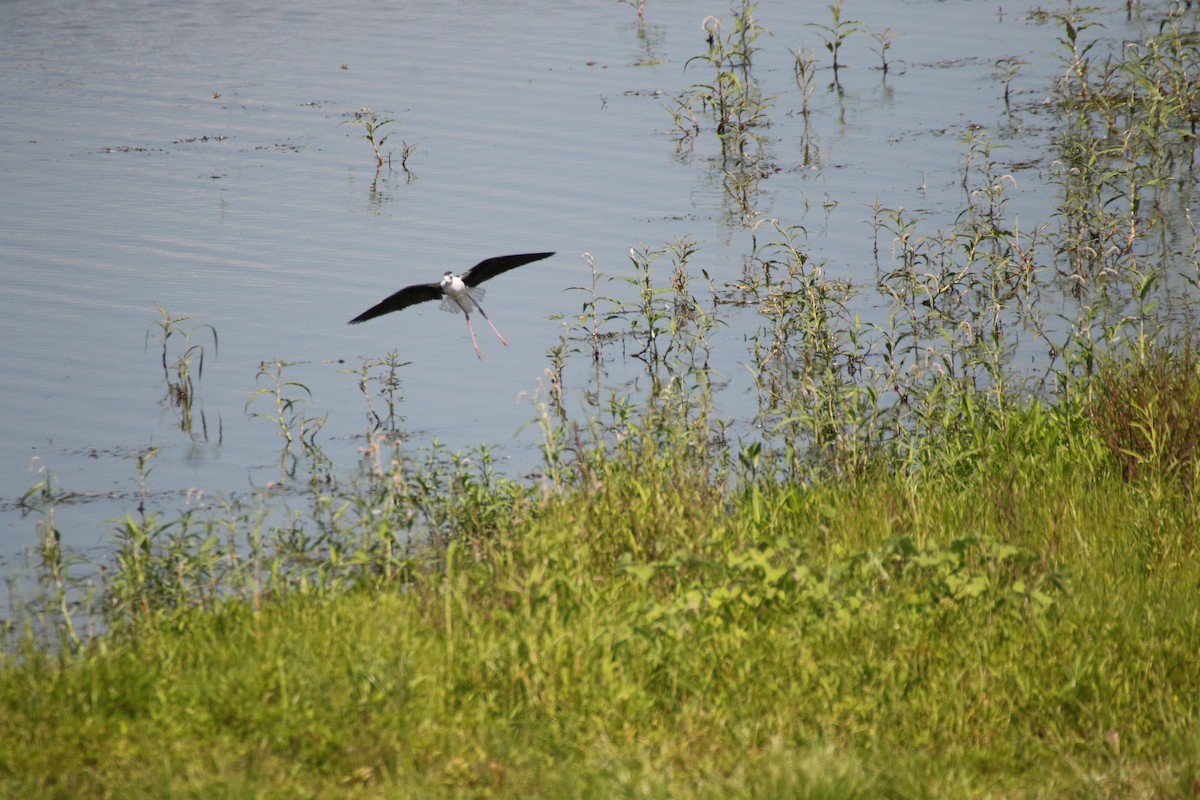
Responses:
[1147,412]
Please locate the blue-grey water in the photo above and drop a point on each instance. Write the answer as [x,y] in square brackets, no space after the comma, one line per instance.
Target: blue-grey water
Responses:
[196,156]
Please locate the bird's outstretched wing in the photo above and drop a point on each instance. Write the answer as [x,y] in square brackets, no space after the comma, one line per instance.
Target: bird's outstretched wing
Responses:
[408,296]
[491,267]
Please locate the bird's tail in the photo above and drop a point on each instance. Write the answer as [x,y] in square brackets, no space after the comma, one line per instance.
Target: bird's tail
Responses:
[476,294]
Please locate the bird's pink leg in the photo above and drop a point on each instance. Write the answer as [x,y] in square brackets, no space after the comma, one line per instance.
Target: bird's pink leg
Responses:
[497,333]
[489,322]
[472,330]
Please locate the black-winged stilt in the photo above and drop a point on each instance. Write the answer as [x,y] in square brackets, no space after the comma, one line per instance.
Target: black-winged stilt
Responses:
[457,292]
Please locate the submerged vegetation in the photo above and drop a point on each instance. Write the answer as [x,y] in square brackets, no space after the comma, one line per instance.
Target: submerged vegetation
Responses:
[953,554]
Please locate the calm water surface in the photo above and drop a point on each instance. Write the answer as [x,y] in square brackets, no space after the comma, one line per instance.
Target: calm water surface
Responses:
[194,156]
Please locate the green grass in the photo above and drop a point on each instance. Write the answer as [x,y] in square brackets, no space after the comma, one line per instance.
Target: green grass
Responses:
[1005,624]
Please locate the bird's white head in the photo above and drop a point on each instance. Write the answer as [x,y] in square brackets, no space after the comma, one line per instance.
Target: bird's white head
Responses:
[453,284]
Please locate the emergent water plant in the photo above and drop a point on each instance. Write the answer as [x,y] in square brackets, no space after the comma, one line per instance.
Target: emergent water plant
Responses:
[883,43]
[836,34]
[385,374]
[286,401]
[182,363]
[374,126]
[732,98]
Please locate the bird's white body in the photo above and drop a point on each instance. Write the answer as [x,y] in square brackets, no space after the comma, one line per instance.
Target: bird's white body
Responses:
[457,296]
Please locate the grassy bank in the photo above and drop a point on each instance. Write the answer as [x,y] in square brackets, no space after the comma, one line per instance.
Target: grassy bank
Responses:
[1016,619]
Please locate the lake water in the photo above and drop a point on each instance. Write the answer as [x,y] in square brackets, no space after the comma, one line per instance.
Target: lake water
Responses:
[195,156]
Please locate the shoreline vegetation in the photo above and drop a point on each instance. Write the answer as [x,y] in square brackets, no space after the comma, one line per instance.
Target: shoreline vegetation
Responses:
[926,569]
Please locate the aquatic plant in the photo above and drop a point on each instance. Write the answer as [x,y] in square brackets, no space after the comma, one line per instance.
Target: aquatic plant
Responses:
[373,126]
[733,98]
[1126,154]
[685,121]
[1007,69]
[1074,21]
[836,33]
[286,399]
[883,43]
[385,373]
[804,70]
[406,150]
[185,361]
[639,6]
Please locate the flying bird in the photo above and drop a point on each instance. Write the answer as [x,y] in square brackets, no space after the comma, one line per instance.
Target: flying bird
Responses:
[457,292]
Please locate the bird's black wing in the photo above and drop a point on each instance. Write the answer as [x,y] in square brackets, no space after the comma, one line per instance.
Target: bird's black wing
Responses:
[408,296]
[491,267]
